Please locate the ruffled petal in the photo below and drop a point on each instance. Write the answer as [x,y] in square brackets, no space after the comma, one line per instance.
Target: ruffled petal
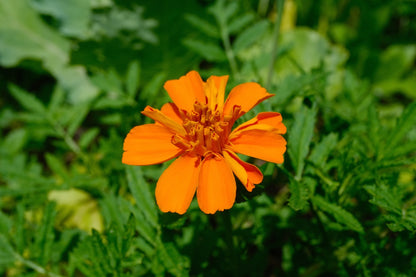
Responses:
[177,184]
[165,120]
[217,188]
[186,90]
[247,96]
[171,111]
[272,120]
[248,174]
[261,143]
[149,144]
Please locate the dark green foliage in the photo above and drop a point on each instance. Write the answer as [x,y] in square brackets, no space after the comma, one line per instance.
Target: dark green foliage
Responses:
[74,76]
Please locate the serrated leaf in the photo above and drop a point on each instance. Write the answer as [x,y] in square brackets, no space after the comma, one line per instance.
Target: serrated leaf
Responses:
[142,195]
[14,141]
[173,261]
[56,165]
[298,195]
[300,137]
[88,137]
[27,100]
[250,35]
[405,123]
[341,215]
[78,114]
[133,78]
[153,87]
[203,25]
[208,50]
[240,22]
[321,151]
[44,238]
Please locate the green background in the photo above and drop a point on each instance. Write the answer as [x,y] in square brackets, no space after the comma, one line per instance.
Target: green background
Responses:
[75,74]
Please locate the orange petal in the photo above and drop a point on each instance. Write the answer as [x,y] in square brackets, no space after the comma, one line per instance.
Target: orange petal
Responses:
[149,144]
[170,110]
[247,96]
[217,188]
[177,184]
[215,91]
[186,90]
[248,174]
[270,119]
[163,119]
[263,144]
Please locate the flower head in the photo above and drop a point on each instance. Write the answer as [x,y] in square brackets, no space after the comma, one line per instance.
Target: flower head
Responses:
[197,130]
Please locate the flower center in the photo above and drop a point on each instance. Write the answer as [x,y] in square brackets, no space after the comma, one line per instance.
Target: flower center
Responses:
[206,130]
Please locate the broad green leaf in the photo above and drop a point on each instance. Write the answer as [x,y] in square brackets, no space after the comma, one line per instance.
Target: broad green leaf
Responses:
[27,100]
[208,50]
[203,25]
[76,208]
[133,78]
[250,35]
[73,15]
[142,195]
[23,35]
[399,57]
[341,215]
[300,137]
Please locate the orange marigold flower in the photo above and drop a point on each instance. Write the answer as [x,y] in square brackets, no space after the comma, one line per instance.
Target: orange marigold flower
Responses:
[197,128]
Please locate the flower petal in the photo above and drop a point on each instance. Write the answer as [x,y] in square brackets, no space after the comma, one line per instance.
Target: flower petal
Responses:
[186,90]
[247,96]
[149,144]
[177,184]
[215,91]
[170,110]
[248,174]
[163,119]
[259,143]
[217,188]
[270,119]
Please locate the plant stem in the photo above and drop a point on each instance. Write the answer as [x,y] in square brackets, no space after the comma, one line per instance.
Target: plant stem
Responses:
[36,267]
[228,50]
[228,238]
[276,32]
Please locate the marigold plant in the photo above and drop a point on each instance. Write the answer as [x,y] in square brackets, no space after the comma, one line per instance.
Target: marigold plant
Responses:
[197,130]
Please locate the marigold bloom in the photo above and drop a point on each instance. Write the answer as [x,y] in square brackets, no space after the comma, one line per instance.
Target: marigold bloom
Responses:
[197,128]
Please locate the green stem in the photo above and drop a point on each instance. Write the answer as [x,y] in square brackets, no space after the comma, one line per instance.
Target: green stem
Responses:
[228,238]
[228,50]
[36,267]
[276,32]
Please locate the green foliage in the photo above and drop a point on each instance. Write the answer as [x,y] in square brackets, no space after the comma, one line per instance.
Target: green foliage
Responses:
[74,76]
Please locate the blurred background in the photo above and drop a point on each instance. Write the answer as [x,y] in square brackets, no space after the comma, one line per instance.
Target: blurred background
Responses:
[75,74]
